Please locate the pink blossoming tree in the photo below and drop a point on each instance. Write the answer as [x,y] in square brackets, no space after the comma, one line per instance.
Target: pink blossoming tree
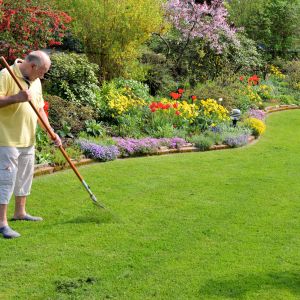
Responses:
[201,19]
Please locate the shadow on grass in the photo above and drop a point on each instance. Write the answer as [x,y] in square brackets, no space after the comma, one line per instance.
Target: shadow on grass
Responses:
[239,287]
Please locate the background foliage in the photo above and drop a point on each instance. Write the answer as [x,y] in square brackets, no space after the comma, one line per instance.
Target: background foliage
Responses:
[114,31]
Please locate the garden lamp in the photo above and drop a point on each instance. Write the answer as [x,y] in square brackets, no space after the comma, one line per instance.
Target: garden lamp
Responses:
[235,115]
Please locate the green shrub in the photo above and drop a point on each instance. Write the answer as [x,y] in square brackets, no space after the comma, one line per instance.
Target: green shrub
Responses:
[44,155]
[41,138]
[73,152]
[159,75]
[133,88]
[229,93]
[129,125]
[164,131]
[114,31]
[286,99]
[93,128]
[74,78]
[64,113]
[216,137]
[293,74]
[202,142]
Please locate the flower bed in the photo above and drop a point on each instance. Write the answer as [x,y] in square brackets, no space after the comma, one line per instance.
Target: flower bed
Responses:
[129,146]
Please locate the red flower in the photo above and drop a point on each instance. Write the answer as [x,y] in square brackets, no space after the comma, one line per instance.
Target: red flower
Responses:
[46,105]
[175,105]
[177,112]
[180,91]
[175,96]
[160,105]
[46,108]
[242,78]
[253,80]
[194,98]
[54,43]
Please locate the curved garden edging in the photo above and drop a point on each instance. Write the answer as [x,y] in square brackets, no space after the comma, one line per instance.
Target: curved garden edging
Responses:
[46,169]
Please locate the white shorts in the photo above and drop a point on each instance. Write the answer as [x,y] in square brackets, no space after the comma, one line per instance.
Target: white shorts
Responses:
[16,172]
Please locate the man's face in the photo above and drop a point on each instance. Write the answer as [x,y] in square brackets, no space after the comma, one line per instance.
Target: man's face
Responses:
[37,71]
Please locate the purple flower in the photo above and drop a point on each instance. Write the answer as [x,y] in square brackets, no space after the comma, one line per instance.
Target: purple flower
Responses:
[236,141]
[102,153]
[257,113]
[130,146]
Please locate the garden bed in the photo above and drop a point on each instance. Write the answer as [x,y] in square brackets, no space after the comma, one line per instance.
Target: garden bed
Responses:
[44,169]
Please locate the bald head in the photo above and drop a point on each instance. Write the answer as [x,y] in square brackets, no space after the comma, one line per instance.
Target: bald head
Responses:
[35,65]
[39,58]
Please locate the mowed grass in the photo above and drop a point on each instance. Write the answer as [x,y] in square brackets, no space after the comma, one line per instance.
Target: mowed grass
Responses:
[207,225]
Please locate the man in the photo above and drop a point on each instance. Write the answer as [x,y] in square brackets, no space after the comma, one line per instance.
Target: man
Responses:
[17,134]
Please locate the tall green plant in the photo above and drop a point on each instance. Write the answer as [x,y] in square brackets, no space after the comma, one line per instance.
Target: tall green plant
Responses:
[113,31]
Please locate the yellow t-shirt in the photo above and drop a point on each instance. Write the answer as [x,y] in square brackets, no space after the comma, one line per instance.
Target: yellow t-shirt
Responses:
[18,121]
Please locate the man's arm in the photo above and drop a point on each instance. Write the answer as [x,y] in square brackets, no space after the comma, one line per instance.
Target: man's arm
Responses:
[42,113]
[22,96]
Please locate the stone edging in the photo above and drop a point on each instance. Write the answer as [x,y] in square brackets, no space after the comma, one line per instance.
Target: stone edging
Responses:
[46,169]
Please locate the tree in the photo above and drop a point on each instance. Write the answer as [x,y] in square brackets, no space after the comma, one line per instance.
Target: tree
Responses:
[113,32]
[199,34]
[204,20]
[273,24]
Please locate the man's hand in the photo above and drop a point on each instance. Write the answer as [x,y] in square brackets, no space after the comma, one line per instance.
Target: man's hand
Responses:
[57,140]
[23,96]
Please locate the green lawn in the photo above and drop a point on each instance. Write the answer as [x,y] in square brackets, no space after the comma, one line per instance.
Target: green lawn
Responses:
[205,225]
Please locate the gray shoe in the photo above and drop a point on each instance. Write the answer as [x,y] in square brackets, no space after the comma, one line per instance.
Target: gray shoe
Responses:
[28,217]
[8,233]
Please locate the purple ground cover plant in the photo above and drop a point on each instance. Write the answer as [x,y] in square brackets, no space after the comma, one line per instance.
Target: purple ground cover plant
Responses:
[130,146]
[102,153]
[235,141]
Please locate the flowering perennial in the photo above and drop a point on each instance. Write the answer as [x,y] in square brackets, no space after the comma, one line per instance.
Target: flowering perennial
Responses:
[253,80]
[257,113]
[129,146]
[120,104]
[213,110]
[236,140]
[257,126]
[276,72]
[46,108]
[102,153]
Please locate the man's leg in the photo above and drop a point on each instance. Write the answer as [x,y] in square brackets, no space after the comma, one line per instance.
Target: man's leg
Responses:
[20,211]
[8,166]
[3,215]
[5,230]
[23,183]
